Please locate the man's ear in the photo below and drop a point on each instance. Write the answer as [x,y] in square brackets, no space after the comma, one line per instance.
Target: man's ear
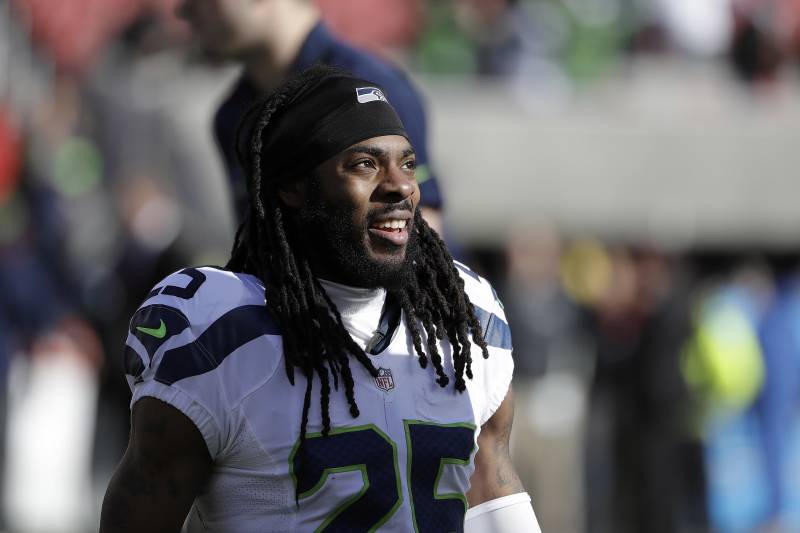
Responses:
[293,193]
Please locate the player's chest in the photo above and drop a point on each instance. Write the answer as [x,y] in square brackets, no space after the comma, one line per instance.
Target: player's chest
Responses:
[402,392]
[406,459]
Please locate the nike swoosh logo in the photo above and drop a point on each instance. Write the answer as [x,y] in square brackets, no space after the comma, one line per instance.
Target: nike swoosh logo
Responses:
[158,333]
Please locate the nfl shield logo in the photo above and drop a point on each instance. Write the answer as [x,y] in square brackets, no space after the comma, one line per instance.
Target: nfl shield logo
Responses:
[384,381]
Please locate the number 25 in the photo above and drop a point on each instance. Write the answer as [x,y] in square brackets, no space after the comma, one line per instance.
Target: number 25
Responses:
[369,450]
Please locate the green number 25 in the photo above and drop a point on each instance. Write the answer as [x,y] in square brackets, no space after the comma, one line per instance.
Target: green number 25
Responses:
[369,450]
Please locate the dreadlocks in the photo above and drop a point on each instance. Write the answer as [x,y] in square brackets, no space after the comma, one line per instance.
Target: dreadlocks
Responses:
[314,337]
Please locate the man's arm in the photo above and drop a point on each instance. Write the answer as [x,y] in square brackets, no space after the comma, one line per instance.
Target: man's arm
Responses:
[163,469]
[497,500]
[494,475]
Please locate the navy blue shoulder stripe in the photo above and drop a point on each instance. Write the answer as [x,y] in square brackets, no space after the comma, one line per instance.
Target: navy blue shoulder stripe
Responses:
[232,330]
[467,271]
[155,324]
[495,331]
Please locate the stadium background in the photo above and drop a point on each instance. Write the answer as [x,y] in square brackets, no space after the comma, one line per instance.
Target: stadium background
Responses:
[624,171]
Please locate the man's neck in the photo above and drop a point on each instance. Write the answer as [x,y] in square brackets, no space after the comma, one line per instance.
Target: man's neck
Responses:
[267,65]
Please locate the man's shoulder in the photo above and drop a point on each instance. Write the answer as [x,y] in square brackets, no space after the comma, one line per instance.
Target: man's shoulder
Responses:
[399,88]
[322,46]
[487,306]
[193,320]
[478,288]
[207,290]
[203,296]
[234,104]
[368,65]
[202,341]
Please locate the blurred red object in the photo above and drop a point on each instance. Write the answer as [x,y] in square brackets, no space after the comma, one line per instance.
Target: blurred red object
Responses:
[73,32]
[10,156]
[376,25]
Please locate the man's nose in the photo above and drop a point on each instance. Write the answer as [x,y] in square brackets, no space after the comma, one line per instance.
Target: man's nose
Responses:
[397,184]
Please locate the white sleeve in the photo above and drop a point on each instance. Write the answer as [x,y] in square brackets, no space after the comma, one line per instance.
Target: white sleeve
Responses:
[492,376]
[199,397]
[165,358]
[500,366]
[201,341]
[509,514]
[199,414]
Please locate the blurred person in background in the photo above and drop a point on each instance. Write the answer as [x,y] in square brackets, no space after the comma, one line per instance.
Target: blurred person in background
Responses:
[545,321]
[502,34]
[642,462]
[275,38]
[51,348]
[778,405]
[161,206]
[94,219]
[742,364]
[723,365]
[550,348]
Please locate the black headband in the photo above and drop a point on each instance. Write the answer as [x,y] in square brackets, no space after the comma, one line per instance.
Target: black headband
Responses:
[337,113]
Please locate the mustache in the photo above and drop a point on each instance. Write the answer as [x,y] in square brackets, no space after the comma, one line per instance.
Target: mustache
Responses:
[404,205]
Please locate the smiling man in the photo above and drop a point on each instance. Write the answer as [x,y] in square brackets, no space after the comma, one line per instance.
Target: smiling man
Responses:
[342,373]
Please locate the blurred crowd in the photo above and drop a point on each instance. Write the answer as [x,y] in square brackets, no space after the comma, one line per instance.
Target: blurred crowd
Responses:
[682,370]
[661,386]
[573,42]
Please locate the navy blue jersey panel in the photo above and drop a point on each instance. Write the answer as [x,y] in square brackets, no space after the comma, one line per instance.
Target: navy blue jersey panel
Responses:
[155,324]
[232,330]
[432,447]
[495,331]
[362,449]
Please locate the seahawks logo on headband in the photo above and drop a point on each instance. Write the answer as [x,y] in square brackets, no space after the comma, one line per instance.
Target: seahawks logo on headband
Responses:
[369,94]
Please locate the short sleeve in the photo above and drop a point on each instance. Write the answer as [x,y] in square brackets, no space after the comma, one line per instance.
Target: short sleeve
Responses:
[499,368]
[173,352]
[491,376]
[188,404]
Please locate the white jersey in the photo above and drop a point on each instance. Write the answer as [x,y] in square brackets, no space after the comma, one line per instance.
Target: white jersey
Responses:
[203,342]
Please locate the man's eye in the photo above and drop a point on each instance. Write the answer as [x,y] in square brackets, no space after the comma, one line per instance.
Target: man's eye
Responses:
[411,164]
[364,163]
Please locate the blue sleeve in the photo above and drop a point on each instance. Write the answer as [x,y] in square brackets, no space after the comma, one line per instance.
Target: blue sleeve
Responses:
[226,122]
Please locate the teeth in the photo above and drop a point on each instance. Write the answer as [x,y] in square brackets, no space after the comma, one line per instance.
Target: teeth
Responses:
[393,224]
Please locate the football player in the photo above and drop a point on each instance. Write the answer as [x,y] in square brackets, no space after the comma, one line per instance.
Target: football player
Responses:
[342,372]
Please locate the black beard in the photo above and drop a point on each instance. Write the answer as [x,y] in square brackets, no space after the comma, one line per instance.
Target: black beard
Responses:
[331,241]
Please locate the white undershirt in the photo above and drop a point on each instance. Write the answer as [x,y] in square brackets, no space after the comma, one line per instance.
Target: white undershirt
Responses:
[360,308]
